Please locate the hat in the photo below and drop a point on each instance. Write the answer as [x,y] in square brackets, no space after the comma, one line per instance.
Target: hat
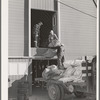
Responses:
[62,44]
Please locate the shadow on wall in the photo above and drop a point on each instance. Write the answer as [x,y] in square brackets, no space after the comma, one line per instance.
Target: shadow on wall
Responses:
[13,83]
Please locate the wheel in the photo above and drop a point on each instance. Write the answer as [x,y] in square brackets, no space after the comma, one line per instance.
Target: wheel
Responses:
[54,92]
[79,94]
[62,93]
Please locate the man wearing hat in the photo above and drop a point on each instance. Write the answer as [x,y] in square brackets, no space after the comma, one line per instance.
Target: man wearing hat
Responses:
[36,33]
[60,55]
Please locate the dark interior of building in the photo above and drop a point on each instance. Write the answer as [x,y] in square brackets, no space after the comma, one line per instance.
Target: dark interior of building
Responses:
[46,18]
[38,67]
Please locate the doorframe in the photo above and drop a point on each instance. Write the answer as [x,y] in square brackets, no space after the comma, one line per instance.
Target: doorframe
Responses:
[29,28]
[54,12]
[57,11]
[58,21]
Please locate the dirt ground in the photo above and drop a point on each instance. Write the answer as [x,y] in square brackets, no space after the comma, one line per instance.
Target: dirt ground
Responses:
[41,94]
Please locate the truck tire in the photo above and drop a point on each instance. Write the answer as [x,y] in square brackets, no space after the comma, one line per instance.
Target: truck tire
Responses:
[62,93]
[54,92]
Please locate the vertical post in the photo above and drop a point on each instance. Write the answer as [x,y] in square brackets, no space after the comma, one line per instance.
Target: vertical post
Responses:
[94,74]
[87,78]
[30,76]
[58,19]
[29,27]
[36,68]
[26,28]
[0,47]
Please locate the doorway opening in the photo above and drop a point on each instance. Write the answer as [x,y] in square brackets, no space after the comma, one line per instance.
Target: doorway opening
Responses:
[38,66]
[48,18]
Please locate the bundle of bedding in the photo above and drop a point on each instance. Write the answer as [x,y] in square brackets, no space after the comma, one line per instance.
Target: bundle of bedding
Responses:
[72,72]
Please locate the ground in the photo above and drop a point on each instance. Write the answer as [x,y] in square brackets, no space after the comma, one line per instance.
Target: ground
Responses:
[41,94]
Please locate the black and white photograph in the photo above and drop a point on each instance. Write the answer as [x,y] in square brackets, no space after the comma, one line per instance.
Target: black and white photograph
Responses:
[52,49]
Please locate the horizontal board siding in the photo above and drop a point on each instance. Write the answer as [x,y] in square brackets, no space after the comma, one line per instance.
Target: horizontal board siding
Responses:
[43,4]
[78,31]
[82,5]
[18,30]
[18,66]
[16,27]
[18,60]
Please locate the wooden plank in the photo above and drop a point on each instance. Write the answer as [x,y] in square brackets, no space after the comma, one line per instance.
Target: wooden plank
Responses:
[84,71]
[43,4]
[84,68]
[16,28]
[84,78]
[84,64]
[87,73]
[30,76]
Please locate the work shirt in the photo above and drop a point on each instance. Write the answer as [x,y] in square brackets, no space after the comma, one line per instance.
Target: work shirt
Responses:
[36,34]
[36,29]
[52,37]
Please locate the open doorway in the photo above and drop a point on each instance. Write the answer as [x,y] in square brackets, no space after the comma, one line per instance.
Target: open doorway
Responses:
[49,22]
[38,66]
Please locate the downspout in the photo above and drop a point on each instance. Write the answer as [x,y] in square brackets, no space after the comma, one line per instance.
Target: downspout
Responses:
[95,3]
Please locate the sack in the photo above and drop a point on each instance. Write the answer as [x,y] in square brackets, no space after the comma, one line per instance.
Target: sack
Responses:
[54,43]
[69,71]
[50,72]
[50,53]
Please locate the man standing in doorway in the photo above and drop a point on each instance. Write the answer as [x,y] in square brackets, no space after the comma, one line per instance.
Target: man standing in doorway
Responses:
[36,34]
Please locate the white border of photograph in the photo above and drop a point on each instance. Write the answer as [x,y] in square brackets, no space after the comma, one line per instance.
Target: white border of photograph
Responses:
[4,49]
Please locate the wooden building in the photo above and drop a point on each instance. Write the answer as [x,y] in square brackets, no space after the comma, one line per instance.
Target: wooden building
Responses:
[74,22]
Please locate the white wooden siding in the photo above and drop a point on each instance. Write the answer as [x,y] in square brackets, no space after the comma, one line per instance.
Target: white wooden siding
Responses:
[17,28]
[43,4]
[77,30]
[18,67]
[17,70]
[13,69]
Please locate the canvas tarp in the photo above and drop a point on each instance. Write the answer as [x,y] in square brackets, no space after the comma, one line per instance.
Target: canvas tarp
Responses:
[72,72]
